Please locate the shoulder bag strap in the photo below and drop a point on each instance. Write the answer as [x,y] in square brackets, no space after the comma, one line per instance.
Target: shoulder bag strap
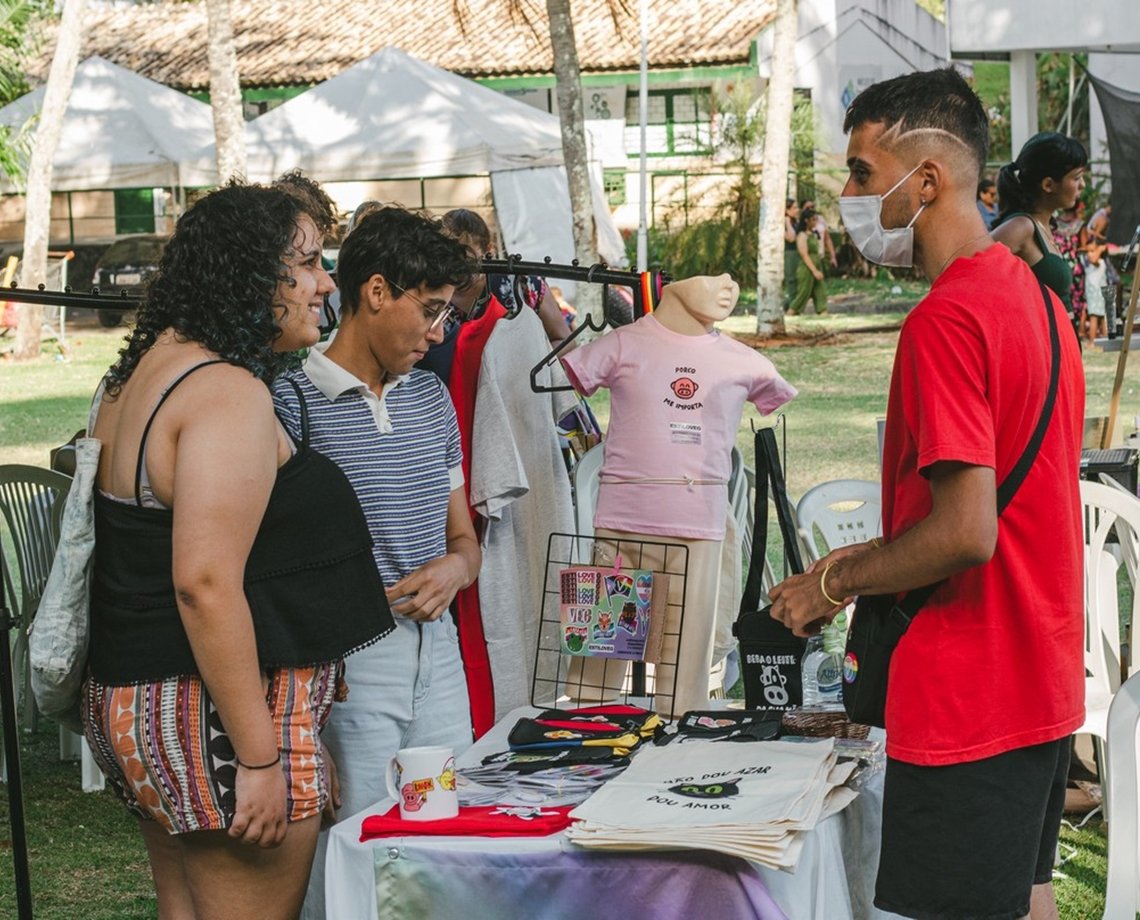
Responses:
[768,472]
[914,600]
[303,444]
[767,439]
[750,600]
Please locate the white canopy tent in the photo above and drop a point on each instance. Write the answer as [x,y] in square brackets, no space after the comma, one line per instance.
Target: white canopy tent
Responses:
[121,130]
[392,116]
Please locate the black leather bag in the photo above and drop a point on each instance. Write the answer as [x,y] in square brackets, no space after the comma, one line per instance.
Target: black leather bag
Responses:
[881,620]
[770,655]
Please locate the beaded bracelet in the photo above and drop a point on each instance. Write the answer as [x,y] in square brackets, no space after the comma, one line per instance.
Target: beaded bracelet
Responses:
[823,586]
[261,766]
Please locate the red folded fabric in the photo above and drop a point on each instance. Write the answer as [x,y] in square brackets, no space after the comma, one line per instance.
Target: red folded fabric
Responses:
[472,821]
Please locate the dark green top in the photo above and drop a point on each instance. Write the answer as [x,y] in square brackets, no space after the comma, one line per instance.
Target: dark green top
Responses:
[1051,269]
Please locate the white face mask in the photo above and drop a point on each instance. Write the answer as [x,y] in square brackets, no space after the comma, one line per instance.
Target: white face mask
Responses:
[862,217]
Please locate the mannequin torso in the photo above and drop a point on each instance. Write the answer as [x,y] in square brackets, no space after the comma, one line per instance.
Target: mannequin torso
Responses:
[677,392]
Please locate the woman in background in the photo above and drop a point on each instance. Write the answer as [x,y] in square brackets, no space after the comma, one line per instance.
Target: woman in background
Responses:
[1048,175]
[809,273]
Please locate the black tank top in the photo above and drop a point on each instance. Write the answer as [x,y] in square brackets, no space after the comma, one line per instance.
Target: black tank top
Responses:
[312,584]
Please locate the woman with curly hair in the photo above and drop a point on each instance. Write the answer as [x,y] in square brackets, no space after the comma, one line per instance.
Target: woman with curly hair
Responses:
[233,568]
[1047,175]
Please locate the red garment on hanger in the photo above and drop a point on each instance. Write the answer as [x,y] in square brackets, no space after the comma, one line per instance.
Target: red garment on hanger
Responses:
[463,384]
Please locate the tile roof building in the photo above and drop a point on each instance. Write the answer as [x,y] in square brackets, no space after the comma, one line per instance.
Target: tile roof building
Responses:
[697,49]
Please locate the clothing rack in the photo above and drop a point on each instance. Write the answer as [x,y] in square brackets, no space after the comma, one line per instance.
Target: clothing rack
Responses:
[94,300]
[646,288]
[598,273]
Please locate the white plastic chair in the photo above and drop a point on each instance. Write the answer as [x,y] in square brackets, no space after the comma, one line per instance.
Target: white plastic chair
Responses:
[1129,546]
[1105,511]
[1121,892]
[584,477]
[844,510]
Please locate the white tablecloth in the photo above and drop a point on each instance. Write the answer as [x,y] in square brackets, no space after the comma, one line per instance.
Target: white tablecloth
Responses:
[834,880]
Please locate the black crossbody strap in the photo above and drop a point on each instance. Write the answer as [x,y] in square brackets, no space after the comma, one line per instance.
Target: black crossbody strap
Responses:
[1016,477]
[768,472]
[914,600]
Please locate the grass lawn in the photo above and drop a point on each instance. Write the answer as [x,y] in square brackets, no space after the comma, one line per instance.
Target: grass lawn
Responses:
[86,860]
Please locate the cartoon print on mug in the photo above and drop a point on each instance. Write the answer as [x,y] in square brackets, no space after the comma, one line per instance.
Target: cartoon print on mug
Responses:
[447,777]
[413,800]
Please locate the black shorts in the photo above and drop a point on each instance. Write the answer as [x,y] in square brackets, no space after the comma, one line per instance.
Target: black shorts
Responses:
[971,839]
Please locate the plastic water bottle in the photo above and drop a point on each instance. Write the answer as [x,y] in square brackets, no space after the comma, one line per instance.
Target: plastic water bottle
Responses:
[823,668]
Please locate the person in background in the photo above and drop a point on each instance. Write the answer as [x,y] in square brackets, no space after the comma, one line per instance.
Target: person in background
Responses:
[312,198]
[791,254]
[1096,282]
[217,626]
[1071,236]
[1098,224]
[567,309]
[820,228]
[513,292]
[1047,175]
[987,202]
[987,684]
[809,273]
[392,429]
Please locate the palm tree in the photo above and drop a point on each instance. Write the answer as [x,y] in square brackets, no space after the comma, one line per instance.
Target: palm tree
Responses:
[37,221]
[575,153]
[568,82]
[16,43]
[225,91]
[774,175]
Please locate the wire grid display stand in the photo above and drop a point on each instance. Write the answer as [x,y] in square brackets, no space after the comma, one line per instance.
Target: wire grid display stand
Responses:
[561,678]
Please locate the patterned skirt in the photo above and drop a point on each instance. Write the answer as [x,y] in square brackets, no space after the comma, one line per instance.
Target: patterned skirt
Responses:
[168,758]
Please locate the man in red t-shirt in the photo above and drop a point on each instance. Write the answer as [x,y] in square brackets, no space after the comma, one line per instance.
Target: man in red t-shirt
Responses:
[987,685]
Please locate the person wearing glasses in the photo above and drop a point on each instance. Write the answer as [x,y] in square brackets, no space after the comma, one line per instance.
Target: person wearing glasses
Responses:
[392,430]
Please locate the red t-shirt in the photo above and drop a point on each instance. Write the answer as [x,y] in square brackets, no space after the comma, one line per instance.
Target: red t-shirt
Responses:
[994,661]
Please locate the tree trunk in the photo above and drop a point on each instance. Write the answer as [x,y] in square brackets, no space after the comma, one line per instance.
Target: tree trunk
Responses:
[774,177]
[588,299]
[225,92]
[37,219]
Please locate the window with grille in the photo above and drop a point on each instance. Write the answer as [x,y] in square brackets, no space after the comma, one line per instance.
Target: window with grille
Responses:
[678,122]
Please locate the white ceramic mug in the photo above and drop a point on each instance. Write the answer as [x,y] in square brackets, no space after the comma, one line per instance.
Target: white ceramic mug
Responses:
[422,781]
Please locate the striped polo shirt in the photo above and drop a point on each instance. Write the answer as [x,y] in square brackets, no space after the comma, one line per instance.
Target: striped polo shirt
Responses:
[400,451]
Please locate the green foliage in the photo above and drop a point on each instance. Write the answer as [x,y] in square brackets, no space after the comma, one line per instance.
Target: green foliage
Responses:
[728,241]
[991,83]
[1053,72]
[85,854]
[18,40]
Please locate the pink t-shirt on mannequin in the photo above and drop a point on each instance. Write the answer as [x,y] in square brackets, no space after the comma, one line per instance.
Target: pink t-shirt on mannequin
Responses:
[675,407]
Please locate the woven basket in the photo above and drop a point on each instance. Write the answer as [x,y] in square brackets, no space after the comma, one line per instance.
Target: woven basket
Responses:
[822,724]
